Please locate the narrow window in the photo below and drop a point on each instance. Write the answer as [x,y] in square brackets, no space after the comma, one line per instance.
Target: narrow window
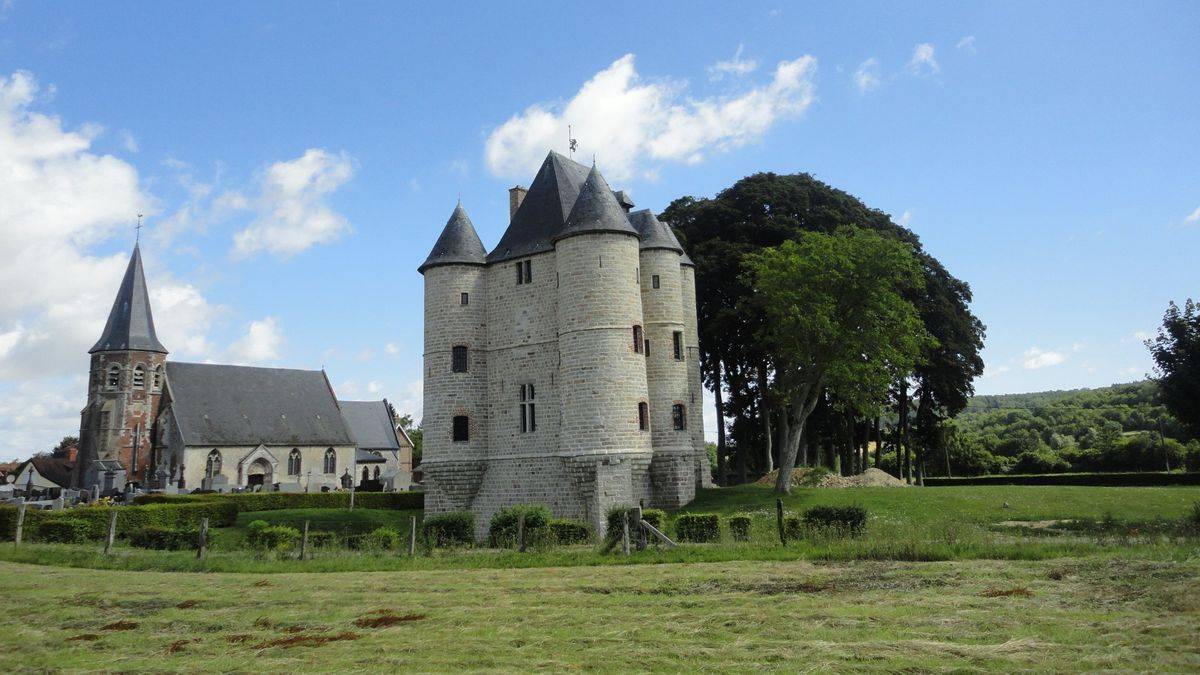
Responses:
[139,376]
[677,343]
[638,341]
[158,377]
[527,409]
[461,429]
[294,462]
[330,461]
[654,281]
[213,466]
[376,473]
[679,417]
[459,359]
[647,345]
[528,271]
[366,474]
[520,274]
[643,416]
[464,299]
[114,376]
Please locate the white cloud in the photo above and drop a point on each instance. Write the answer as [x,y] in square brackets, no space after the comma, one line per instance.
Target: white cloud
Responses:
[632,125]
[128,141]
[292,209]
[1035,358]
[966,44]
[994,371]
[737,66]
[391,349]
[866,76]
[374,387]
[904,219]
[1193,217]
[366,355]
[923,61]
[1140,335]
[260,345]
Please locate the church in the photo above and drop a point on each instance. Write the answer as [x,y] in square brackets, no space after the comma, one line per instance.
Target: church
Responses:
[176,426]
[562,367]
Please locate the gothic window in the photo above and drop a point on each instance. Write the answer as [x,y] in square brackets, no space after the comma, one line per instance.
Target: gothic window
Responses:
[654,280]
[643,416]
[637,339]
[461,431]
[114,376]
[527,410]
[294,462]
[213,466]
[376,473]
[677,343]
[459,359]
[158,378]
[139,376]
[366,474]
[524,272]
[679,417]
[330,461]
[464,299]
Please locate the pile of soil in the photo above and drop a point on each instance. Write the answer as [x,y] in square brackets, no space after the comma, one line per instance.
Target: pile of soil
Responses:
[770,478]
[868,478]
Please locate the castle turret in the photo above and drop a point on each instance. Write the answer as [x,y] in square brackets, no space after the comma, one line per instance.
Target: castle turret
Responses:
[124,388]
[673,468]
[691,342]
[605,432]
[455,394]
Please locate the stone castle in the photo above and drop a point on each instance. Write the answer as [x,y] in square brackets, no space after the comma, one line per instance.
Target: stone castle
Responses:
[562,368]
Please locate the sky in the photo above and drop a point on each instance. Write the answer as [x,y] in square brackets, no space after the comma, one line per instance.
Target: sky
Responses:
[295,161]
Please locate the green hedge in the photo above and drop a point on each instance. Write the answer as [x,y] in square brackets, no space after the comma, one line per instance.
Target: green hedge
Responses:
[792,527]
[129,518]
[1129,479]
[502,531]
[165,538]
[62,531]
[567,532]
[739,527]
[698,527]
[456,528]
[273,501]
[838,519]
[616,514]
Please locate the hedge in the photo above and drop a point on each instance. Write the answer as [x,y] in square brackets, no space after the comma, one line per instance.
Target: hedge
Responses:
[570,531]
[129,518]
[838,519]
[653,516]
[739,527]
[456,528]
[273,501]
[265,537]
[62,531]
[698,527]
[1128,479]
[792,527]
[502,531]
[165,538]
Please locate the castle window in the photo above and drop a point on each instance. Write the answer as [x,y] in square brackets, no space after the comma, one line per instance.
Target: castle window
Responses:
[459,359]
[638,341]
[158,378]
[114,376]
[527,410]
[139,376]
[677,343]
[464,299]
[654,280]
[294,462]
[643,416]
[213,466]
[679,417]
[524,272]
[461,432]
[647,346]
[330,461]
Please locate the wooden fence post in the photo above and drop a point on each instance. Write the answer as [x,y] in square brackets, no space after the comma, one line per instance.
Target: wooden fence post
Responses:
[779,521]
[412,537]
[641,531]
[625,533]
[304,542]
[203,542]
[521,532]
[351,497]
[20,522]
[112,532]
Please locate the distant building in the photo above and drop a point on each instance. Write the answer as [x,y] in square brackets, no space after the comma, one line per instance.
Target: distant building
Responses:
[384,450]
[43,476]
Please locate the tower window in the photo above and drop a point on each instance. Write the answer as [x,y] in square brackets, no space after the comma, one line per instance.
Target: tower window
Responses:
[213,466]
[679,417]
[524,272]
[646,344]
[643,416]
[462,431]
[527,409]
[638,340]
[330,461]
[464,299]
[654,280]
[158,377]
[459,359]
[139,376]
[294,462]
[114,376]
[677,343]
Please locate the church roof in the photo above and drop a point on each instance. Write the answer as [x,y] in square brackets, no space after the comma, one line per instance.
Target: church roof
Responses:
[458,244]
[130,325]
[239,405]
[596,210]
[370,423]
[655,234]
[544,209]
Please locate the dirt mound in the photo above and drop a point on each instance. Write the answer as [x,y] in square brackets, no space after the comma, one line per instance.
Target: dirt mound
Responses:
[868,478]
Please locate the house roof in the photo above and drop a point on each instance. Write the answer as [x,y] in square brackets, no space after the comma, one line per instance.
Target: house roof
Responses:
[370,424]
[239,405]
[655,234]
[46,471]
[458,244]
[368,457]
[596,210]
[543,210]
[130,324]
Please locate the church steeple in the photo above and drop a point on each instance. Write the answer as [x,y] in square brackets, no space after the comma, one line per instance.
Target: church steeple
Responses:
[130,324]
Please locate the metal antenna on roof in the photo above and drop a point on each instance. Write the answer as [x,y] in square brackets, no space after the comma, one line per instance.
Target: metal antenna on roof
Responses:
[137,238]
[571,142]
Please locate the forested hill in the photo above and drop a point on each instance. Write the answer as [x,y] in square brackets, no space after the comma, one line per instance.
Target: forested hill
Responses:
[1117,428]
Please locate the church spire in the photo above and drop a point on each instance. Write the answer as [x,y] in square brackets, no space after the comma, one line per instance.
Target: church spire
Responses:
[130,325]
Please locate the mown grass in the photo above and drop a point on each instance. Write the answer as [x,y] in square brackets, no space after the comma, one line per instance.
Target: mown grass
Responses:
[1061,615]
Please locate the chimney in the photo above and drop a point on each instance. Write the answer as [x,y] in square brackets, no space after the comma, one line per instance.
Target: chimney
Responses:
[516,195]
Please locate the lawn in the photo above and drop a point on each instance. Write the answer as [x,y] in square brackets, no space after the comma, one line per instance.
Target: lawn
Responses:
[1060,615]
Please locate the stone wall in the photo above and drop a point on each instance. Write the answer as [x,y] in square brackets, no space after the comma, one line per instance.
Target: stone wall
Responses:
[118,419]
[192,462]
[691,334]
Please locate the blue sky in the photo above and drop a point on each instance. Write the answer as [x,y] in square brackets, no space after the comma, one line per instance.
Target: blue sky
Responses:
[297,160]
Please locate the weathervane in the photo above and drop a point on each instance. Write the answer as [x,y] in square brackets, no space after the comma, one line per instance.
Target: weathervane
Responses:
[571,142]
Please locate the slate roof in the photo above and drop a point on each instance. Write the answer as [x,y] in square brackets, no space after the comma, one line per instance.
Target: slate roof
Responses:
[367,457]
[239,405]
[654,233]
[595,210]
[543,211]
[458,244]
[130,325]
[624,200]
[370,424]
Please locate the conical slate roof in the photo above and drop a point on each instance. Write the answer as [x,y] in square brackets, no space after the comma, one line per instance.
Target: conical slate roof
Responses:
[655,234]
[458,244]
[543,210]
[130,325]
[685,259]
[596,210]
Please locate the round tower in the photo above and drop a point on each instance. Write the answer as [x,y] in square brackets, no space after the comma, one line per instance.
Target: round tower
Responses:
[605,430]
[691,341]
[455,393]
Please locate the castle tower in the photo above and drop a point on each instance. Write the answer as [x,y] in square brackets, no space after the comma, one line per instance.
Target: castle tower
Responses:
[672,471]
[124,388]
[604,436]
[691,341]
[455,363]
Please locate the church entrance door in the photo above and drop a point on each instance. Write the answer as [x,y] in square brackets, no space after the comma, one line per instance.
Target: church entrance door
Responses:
[259,473]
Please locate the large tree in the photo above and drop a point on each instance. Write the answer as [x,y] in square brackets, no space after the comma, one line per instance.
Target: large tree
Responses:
[1176,352]
[837,321]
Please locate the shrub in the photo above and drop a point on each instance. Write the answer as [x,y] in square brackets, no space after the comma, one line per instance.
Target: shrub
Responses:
[273,501]
[264,537]
[502,531]
[838,519]
[322,539]
[1191,521]
[381,539]
[570,531]
[456,528]
[655,517]
[739,527]
[164,538]
[698,527]
[62,531]
[129,518]
[792,527]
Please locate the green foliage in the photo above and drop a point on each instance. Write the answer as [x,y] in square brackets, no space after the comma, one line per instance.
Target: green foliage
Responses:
[616,514]
[567,532]
[1138,479]
[129,518]
[1176,353]
[322,539]
[739,527]
[270,501]
[63,531]
[793,528]
[275,538]
[698,527]
[164,538]
[838,519]
[381,539]
[456,528]
[502,531]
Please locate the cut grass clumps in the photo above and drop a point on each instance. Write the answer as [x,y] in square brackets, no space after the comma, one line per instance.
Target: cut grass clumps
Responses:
[503,530]
[164,538]
[739,527]
[843,520]
[456,528]
[698,527]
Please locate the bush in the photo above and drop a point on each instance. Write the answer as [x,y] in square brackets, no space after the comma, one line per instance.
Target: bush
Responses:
[164,538]
[792,527]
[1191,522]
[322,539]
[381,539]
[570,531]
[456,528]
[838,519]
[698,527]
[273,501]
[264,537]
[62,531]
[129,518]
[1128,479]
[615,515]
[502,532]
[739,527]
